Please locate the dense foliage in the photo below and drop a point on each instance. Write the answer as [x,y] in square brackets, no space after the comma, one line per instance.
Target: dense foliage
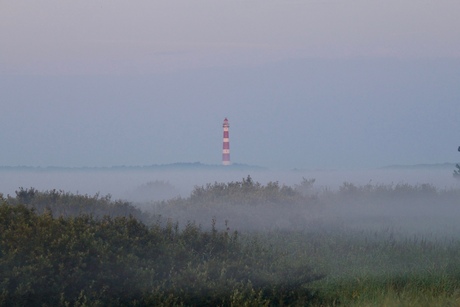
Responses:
[246,204]
[60,203]
[245,192]
[370,245]
[251,206]
[81,260]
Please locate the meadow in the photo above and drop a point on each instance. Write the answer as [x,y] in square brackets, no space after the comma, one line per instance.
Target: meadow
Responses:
[236,243]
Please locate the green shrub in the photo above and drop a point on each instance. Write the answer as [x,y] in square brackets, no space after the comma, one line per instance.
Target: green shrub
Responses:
[61,203]
[52,261]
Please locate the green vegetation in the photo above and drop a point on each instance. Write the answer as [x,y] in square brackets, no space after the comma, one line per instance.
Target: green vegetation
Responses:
[258,245]
[246,204]
[83,260]
[60,203]
[377,268]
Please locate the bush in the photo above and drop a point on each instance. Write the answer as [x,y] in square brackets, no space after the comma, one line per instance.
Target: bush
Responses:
[60,203]
[120,261]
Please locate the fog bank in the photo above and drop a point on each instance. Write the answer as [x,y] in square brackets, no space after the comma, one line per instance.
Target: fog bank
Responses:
[122,184]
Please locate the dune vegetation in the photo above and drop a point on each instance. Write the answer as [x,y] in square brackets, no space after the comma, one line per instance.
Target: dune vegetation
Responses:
[233,244]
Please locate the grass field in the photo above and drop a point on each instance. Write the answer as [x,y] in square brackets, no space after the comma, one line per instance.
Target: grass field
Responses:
[378,268]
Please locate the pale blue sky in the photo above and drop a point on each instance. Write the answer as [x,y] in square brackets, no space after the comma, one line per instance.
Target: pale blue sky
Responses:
[305,84]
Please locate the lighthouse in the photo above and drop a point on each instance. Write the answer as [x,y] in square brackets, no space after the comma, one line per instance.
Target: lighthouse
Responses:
[226,144]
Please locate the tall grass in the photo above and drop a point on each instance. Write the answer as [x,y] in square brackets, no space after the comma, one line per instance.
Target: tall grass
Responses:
[375,268]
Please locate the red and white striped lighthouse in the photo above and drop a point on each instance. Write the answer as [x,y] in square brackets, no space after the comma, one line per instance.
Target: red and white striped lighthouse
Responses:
[226,145]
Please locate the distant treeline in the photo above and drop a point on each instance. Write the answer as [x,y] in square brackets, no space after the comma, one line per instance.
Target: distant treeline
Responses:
[250,205]
[159,167]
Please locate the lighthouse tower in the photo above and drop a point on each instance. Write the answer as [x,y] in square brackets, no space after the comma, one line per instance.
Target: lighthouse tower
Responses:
[226,145]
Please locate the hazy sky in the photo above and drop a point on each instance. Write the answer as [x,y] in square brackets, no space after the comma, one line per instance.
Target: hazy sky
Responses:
[304,84]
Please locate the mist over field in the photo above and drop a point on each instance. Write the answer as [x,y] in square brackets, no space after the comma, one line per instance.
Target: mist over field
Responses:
[203,236]
[411,199]
[319,95]
[122,184]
